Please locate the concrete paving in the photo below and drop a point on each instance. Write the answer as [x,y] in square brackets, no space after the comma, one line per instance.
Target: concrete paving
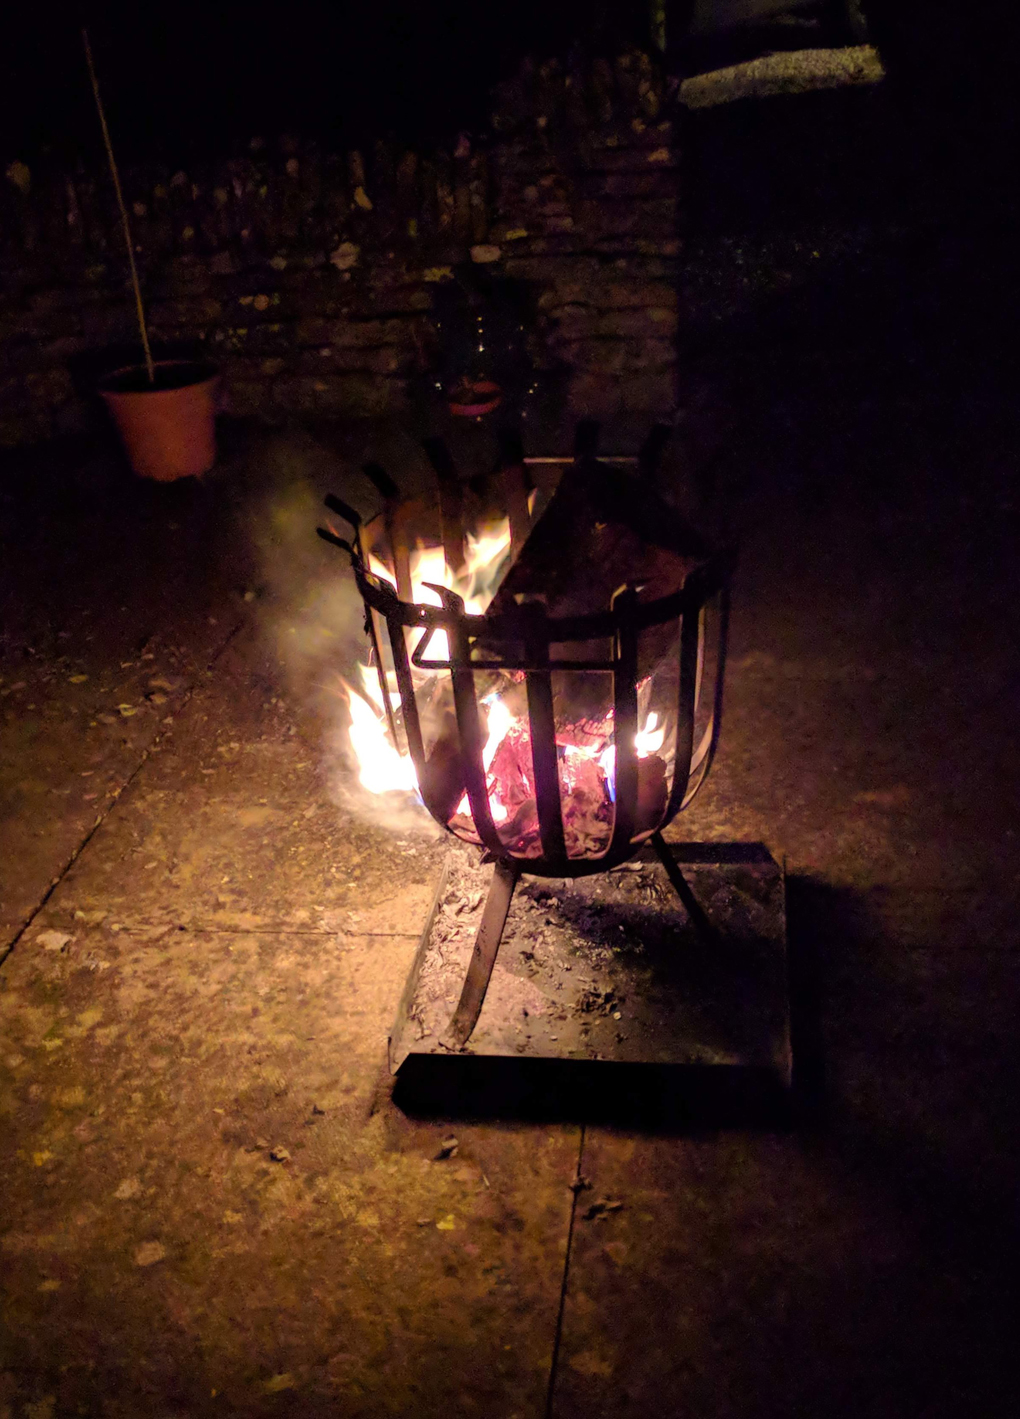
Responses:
[211,1203]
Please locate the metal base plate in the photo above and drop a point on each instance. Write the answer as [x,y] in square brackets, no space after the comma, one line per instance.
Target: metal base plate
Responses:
[609,969]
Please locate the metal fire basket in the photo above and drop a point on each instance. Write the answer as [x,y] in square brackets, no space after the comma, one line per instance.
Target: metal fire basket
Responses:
[527,641]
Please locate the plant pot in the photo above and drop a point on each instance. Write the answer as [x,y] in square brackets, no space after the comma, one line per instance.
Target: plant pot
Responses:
[168,427]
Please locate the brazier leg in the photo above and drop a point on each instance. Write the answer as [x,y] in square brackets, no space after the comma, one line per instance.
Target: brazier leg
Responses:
[483,957]
[681,886]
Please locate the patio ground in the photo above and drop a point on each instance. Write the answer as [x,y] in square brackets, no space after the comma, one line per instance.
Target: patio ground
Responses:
[211,1202]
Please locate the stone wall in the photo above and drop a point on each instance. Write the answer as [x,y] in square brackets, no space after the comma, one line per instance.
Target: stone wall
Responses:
[310,276]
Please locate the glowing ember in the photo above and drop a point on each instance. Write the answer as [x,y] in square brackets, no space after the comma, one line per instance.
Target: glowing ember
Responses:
[586,756]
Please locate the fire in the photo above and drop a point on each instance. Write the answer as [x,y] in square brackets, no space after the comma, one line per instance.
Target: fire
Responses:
[476,582]
[586,769]
[647,741]
[382,768]
[650,739]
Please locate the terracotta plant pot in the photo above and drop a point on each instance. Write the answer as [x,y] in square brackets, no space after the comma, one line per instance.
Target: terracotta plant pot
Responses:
[168,428]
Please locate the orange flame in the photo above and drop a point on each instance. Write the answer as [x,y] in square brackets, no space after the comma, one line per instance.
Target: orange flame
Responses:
[382,768]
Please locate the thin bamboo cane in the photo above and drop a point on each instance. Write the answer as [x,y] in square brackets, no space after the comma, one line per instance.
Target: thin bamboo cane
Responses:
[149,365]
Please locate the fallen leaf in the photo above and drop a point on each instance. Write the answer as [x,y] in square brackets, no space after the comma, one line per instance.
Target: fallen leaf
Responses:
[53,940]
[447,1149]
[279,1154]
[149,1253]
[447,1223]
[280,1382]
[130,1187]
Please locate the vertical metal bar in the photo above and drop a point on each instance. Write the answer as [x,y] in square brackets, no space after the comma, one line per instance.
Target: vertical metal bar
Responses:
[715,724]
[393,522]
[690,654]
[483,957]
[542,721]
[625,722]
[469,728]
[371,626]
[408,700]
[682,887]
[352,516]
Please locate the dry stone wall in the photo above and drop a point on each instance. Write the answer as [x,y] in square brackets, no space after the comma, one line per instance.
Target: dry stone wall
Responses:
[310,277]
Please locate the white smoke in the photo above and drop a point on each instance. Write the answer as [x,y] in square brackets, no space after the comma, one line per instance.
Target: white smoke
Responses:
[311,613]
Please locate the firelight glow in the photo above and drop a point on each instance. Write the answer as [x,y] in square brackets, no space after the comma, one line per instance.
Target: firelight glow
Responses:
[475,582]
[382,768]
[647,741]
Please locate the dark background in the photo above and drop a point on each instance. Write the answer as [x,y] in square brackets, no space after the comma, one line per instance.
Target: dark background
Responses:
[196,79]
[195,76]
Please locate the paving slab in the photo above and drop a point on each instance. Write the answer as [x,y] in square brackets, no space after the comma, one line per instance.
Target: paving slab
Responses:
[746,1275]
[92,665]
[233,937]
[212,1204]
